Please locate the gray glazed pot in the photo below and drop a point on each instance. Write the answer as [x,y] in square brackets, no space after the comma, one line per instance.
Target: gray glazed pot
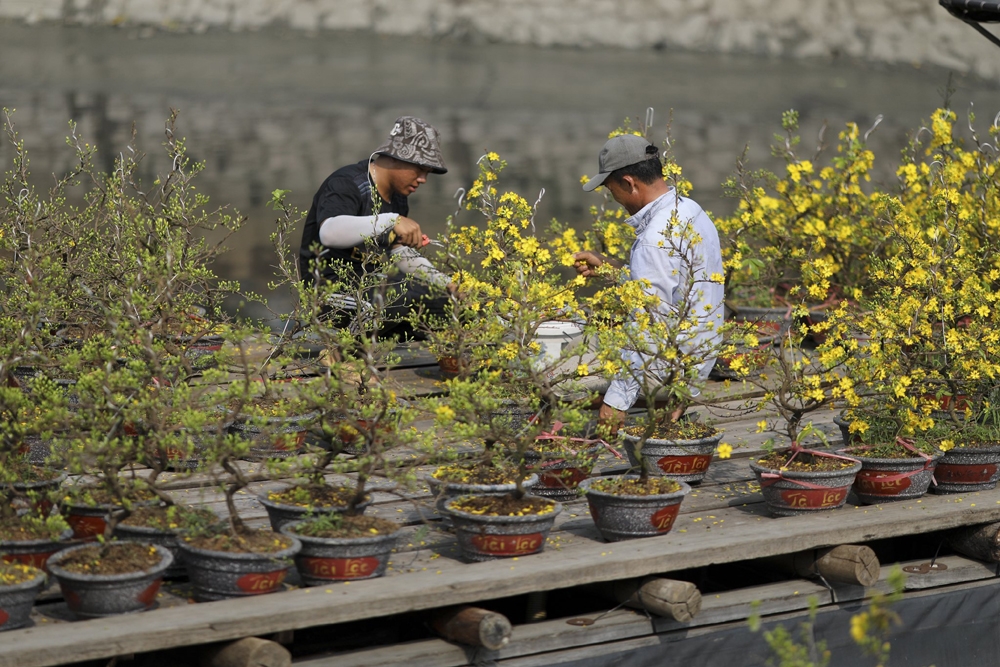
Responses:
[280,514]
[220,575]
[964,469]
[34,552]
[682,460]
[99,595]
[161,538]
[888,480]
[559,477]
[267,440]
[445,491]
[18,492]
[484,538]
[620,517]
[326,559]
[513,415]
[799,492]
[16,601]
[89,521]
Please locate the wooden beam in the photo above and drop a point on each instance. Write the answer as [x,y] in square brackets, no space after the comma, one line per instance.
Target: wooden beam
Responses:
[979,542]
[247,652]
[669,598]
[844,564]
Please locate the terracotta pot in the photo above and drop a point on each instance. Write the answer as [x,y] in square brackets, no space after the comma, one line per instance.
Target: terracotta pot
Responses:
[99,595]
[326,559]
[621,517]
[482,537]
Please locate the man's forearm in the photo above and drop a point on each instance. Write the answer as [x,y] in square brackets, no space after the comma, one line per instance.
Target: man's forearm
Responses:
[347,231]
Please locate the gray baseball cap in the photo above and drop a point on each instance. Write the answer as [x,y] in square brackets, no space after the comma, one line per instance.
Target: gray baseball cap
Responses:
[416,141]
[621,151]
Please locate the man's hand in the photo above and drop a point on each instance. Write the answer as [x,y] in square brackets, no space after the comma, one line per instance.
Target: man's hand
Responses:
[408,232]
[587,263]
[609,420]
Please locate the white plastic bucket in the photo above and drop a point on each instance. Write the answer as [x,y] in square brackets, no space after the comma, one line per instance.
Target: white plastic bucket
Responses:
[554,337]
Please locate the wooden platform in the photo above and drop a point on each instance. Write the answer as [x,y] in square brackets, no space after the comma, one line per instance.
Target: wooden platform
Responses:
[722,521]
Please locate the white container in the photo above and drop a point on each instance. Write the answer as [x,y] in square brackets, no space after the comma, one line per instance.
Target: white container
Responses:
[554,337]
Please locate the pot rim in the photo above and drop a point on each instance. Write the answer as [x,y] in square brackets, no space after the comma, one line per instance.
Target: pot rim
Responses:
[904,461]
[241,420]
[470,489]
[585,485]
[715,437]
[340,541]
[63,537]
[166,560]
[243,556]
[808,474]
[55,481]
[531,518]
[37,581]
[266,502]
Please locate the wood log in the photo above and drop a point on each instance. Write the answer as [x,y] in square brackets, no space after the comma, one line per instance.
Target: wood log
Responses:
[679,600]
[980,542]
[845,564]
[472,626]
[247,652]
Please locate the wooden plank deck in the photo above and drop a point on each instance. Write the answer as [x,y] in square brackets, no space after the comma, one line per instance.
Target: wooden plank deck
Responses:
[722,521]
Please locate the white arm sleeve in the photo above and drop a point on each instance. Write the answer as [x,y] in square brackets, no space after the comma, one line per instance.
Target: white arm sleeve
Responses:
[413,263]
[347,231]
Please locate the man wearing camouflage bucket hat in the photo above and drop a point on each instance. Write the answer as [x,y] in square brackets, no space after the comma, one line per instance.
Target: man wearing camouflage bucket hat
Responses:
[365,203]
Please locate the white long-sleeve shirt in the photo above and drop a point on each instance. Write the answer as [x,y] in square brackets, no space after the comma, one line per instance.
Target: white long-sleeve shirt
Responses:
[653,258]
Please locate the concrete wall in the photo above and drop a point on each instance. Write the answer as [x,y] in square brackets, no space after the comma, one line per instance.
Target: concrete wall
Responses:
[894,31]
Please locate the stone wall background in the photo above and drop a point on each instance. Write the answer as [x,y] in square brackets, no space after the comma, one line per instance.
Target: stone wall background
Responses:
[892,31]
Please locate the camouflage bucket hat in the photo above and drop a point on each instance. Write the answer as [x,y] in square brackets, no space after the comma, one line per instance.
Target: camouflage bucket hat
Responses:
[413,140]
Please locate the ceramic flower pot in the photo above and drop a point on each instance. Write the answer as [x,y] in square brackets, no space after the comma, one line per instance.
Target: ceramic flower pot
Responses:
[883,480]
[16,600]
[89,521]
[326,559]
[682,460]
[99,595]
[34,552]
[967,469]
[281,514]
[445,491]
[277,437]
[35,494]
[624,517]
[560,472]
[791,492]
[482,537]
[219,575]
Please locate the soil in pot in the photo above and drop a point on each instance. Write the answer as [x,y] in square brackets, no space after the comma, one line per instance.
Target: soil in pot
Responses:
[474,478]
[343,548]
[19,586]
[225,565]
[33,488]
[629,507]
[800,481]
[891,471]
[491,527]
[110,579]
[295,502]
[160,525]
[682,450]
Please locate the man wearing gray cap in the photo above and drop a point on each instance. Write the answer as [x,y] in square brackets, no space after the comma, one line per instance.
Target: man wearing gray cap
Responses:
[630,168]
[366,202]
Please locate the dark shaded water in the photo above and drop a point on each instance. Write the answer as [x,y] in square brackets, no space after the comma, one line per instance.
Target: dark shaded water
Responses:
[279,109]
